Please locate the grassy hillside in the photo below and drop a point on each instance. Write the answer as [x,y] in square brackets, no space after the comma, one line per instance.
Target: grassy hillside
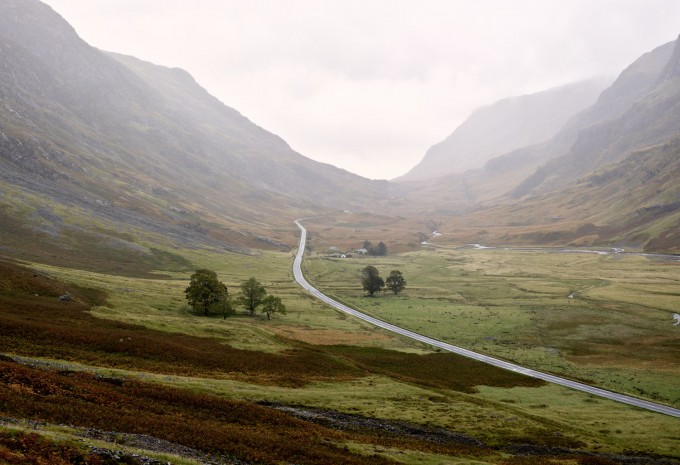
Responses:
[632,203]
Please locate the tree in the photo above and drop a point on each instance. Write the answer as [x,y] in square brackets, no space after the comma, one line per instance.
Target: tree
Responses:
[224,307]
[371,280]
[395,282]
[272,304]
[206,291]
[381,249]
[252,295]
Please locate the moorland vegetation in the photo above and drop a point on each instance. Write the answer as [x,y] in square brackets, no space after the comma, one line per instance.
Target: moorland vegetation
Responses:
[120,178]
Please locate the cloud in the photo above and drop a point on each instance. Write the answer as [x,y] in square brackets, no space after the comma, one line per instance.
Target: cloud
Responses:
[370,85]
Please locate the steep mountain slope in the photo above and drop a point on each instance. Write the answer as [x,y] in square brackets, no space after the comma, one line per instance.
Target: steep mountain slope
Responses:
[244,150]
[505,126]
[103,143]
[514,171]
[652,119]
[611,174]
[632,203]
[629,87]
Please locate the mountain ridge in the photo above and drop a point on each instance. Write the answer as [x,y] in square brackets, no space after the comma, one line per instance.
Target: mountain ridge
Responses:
[105,144]
[650,120]
[503,126]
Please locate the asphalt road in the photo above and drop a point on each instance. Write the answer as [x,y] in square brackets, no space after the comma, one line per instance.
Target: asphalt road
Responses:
[644,404]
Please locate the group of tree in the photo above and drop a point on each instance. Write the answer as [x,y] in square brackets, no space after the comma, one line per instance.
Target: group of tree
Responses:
[380,249]
[372,282]
[207,293]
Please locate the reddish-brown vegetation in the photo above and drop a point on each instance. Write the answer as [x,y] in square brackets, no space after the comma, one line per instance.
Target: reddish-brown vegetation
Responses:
[34,322]
[41,325]
[32,449]
[208,423]
[448,371]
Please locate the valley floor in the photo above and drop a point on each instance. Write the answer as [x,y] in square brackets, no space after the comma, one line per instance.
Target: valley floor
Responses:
[129,357]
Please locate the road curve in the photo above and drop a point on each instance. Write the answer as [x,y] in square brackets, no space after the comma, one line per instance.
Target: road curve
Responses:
[297,273]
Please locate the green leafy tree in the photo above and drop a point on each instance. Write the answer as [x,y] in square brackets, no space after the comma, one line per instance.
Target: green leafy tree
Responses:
[205,291]
[395,282]
[371,280]
[224,306]
[271,305]
[252,295]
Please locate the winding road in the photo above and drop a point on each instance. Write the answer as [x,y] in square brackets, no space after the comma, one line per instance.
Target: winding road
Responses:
[297,273]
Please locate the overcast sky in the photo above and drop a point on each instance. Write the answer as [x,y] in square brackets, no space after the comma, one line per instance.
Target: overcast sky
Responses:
[370,85]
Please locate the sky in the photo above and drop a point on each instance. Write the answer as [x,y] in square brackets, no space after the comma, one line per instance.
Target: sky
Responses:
[370,85]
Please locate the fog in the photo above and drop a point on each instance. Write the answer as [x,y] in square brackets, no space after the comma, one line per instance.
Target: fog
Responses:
[370,85]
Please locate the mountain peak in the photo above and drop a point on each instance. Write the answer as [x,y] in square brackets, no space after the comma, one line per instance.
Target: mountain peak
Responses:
[33,24]
[672,69]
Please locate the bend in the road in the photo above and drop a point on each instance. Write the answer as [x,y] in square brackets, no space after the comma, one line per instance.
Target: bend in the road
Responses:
[299,277]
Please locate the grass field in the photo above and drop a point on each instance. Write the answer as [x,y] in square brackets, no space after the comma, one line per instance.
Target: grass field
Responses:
[615,331]
[315,357]
[160,304]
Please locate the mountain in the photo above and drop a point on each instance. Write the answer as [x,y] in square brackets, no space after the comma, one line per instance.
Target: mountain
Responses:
[634,202]
[641,109]
[516,170]
[107,150]
[630,86]
[109,162]
[608,177]
[506,125]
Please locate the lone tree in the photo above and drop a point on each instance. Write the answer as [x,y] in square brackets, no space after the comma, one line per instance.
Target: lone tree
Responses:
[395,282]
[371,280]
[252,295]
[272,304]
[205,291]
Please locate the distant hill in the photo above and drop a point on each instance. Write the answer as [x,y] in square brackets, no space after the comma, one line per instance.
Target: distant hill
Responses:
[104,143]
[506,125]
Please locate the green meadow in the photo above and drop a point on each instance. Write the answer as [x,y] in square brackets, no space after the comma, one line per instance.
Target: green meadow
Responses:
[513,305]
[604,319]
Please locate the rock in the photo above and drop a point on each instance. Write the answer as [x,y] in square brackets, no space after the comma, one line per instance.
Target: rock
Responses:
[65,297]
